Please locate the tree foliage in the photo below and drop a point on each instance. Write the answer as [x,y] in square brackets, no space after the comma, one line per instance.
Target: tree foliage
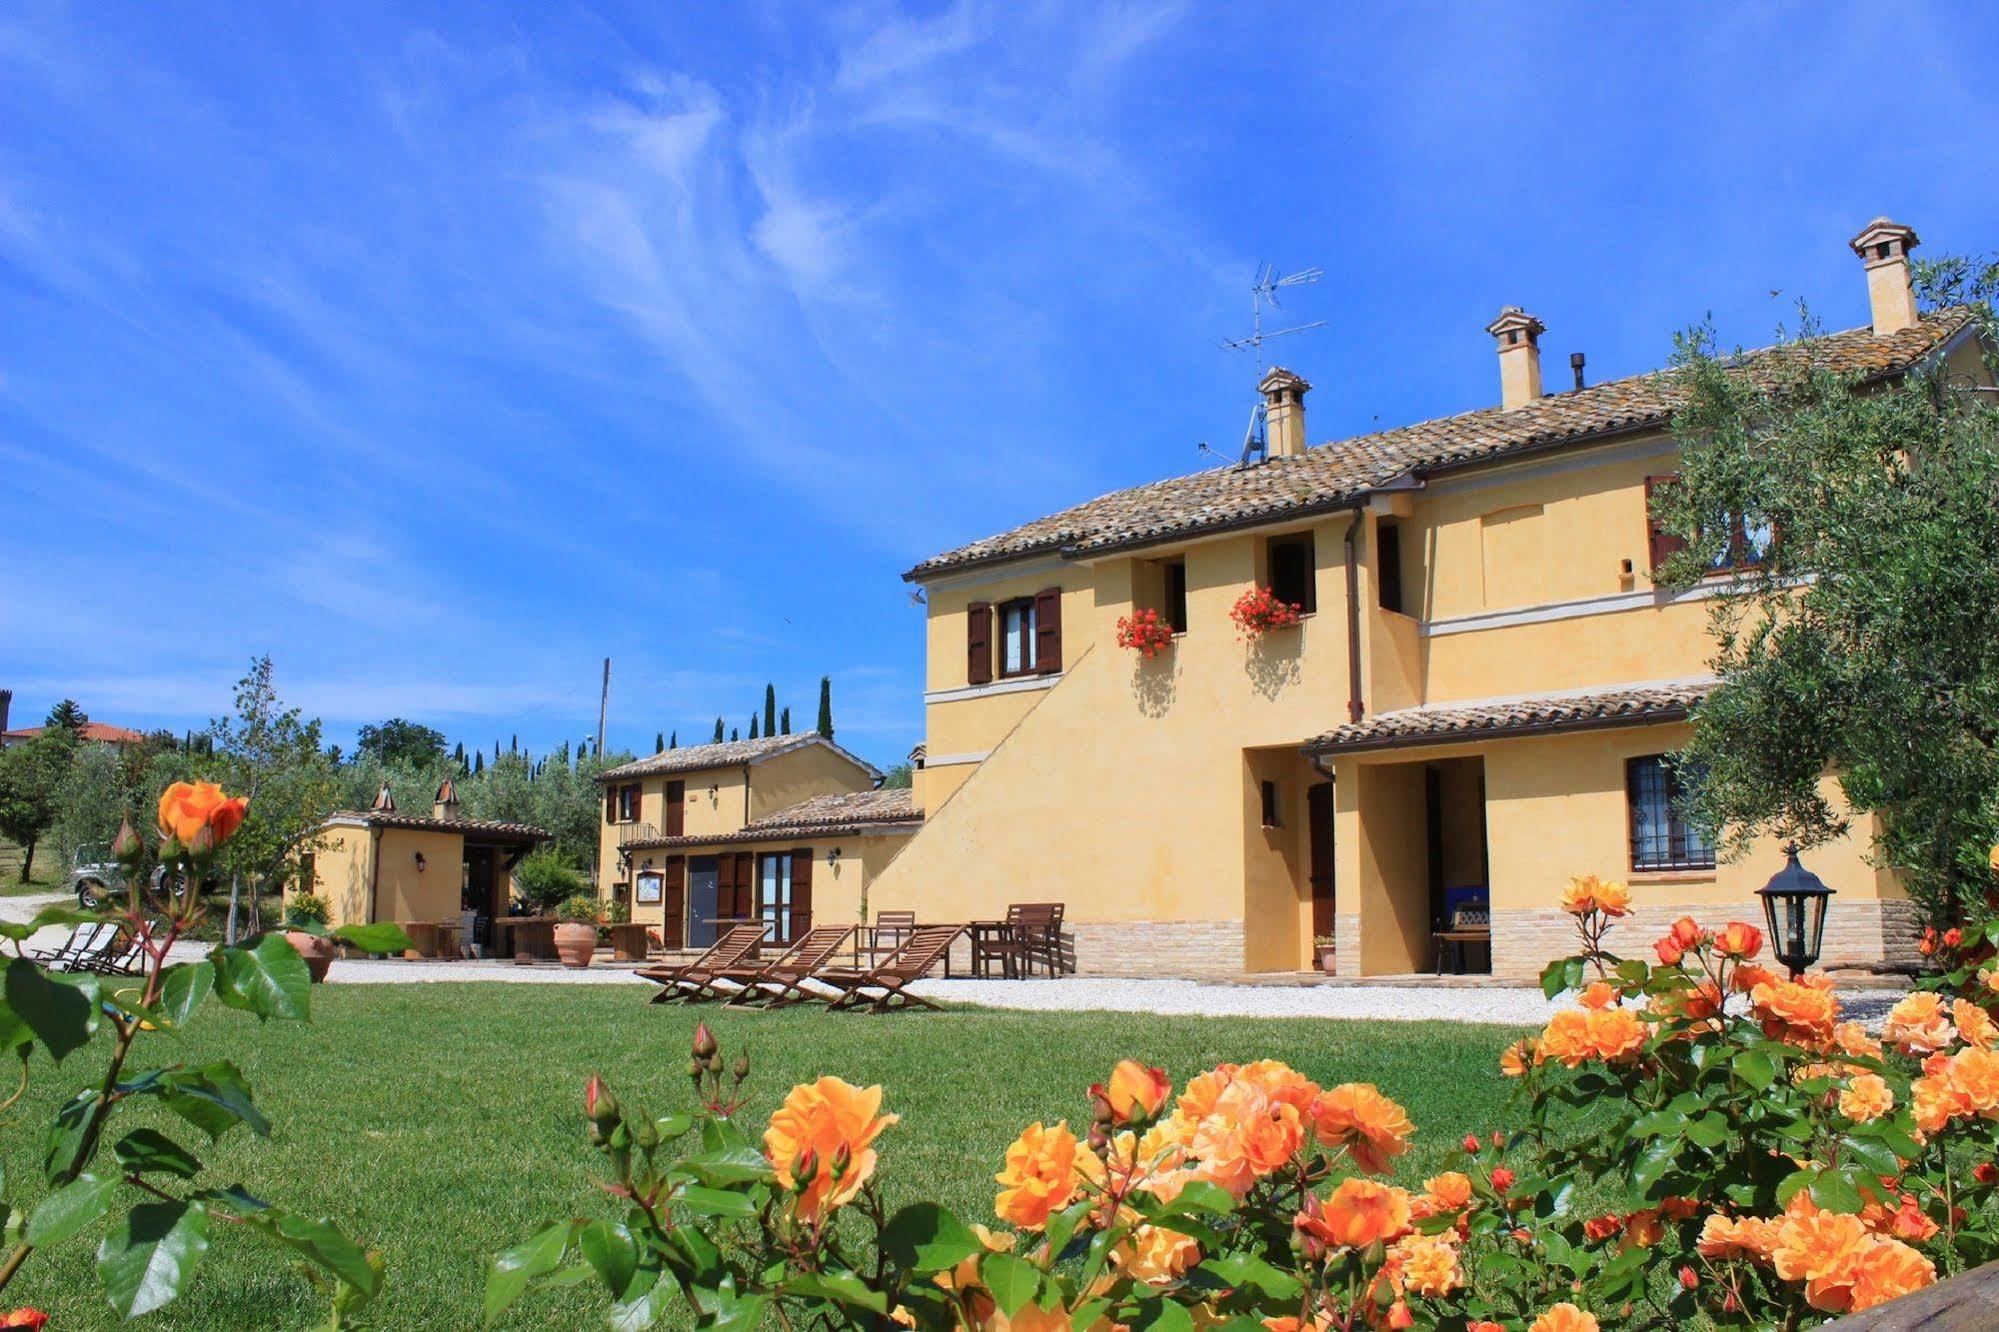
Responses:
[1852,529]
[399,740]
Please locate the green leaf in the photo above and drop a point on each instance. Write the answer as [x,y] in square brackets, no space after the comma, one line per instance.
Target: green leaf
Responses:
[22,930]
[380,937]
[731,1312]
[1198,1195]
[839,1287]
[1658,1121]
[1243,1269]
[1710,1130]
[1873,1154]
[269,979]
[514,1268]
[62,1150]
[1162,1315]
[607,1246]
[324,1245]
[1554,978]
[716,1202]
[143,1150]
[214,1098]
[1012,1280]
[1654,1160]
[61,1012]
[1834,1190]
[647,1298]
[149,1255]
[1755,1068]
[923,1238]
[726,1156]
[15,1035]
[71,1208]
[236,1199]
[184,986]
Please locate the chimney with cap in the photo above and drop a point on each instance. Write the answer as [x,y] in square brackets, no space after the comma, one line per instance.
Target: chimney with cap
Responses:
[445,806]
[1283,412]
[1519,337]
[385,801]
[1884,247]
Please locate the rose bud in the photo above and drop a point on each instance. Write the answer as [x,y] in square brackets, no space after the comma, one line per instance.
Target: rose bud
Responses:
[1523,1235]
[127,846]
[805,1169]
[599,1105]
[1985,1173]
[1498,1138]
[1471,1143]
[1502,1179]
[705,1044]
[1689,1278]
[742,1067]
[843,1161]
[1952,937]
[1399,1315]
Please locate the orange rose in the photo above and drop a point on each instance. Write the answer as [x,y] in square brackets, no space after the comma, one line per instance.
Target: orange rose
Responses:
[1974,1024]
[188,807]
[1823,1250]
[1612,898]
[1739,941]
[1888,1270]
[1616,1033]
[1423,1265]
[1643,1229]
[831,1126]
[1044,1171]
[1447,1192]
[1919,1025]
[1156,1256]
[1359,1212]
[1599,994]
[1135,1092]
[1565,1317]
[1248,1136]
[1974,1076]
[1280,1082]
[1866,1097]
[1735,1237]
[1801,1012]
[1372,1128]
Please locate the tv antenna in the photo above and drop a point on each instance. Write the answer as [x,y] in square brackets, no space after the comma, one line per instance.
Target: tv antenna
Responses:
[1255,442]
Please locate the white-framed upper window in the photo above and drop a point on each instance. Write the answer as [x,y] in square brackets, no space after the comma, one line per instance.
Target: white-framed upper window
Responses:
[1016,626]
[774,901]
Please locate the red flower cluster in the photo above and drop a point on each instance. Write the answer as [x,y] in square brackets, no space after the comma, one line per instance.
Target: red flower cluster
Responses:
[1258,611]
[1144,633]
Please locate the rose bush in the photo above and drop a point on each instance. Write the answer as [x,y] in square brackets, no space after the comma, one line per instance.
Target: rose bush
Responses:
[1704,1142]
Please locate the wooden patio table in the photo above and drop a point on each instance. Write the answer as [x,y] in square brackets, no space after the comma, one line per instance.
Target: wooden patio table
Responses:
[628,942]
[423,938]
[533,938]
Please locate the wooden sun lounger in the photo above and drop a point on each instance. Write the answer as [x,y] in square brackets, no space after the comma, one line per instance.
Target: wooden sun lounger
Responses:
[883,988]
[83,941]
[696,979]
[782,981]
[113,959]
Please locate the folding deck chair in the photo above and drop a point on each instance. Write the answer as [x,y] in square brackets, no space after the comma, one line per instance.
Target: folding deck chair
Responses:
[781,981]
[916,958]
[114,958]
[696,979]
[83,941]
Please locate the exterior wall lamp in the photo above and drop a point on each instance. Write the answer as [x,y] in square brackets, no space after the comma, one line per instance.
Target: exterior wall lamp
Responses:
[419,862]
[833,856]
[1794,903]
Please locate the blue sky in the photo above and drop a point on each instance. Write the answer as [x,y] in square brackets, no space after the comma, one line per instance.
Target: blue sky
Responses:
[442,350]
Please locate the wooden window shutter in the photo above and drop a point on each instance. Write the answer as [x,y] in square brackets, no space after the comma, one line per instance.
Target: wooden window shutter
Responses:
[1663,544]
[801,892]
[673,888]
[610,804]
[1048,630]
[979,643]
[746,885]
[675,821]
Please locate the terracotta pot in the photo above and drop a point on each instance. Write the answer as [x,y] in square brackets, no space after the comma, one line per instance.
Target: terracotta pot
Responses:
[1326,960]
[316,949]
[575,943]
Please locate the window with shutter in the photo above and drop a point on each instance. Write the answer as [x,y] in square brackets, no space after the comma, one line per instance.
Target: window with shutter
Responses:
[673,932]
[979,643]
[1388,556]
[1048,631]
[1175,609]
[675,820]
[1016,636]
[1663,544]
[1293,571]
[801,891]
[610,804]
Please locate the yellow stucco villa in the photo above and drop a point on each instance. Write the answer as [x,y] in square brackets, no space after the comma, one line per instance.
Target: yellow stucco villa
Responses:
[1474,707]
[789,830]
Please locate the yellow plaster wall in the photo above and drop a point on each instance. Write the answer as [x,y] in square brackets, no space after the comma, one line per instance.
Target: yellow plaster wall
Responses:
[780,782]
[340,871]
[837,890]
[402,892]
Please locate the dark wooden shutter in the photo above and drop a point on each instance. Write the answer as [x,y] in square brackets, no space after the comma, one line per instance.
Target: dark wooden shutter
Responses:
[746,885]
[1663,544]
[1048,630]
[610,804]
[1388,554]
[673,888]
[675,821]
[979,643]
[725,887]
[801,892]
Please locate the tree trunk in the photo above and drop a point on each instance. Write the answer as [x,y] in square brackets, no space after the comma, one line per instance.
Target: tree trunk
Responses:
[28,859]
[229,925]
[256,913]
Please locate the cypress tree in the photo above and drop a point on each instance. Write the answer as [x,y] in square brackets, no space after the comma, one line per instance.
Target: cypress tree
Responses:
[753,726]
[659,742]
[826,706]
[513,744]
[718,730]
[734,734]
[478,763]
[784,722]
[673,741]
[770,709]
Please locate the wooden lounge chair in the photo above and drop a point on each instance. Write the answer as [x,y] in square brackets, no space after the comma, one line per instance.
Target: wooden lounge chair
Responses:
[83,941]
[883,988]
[782,981]
[121,956]
[696,979]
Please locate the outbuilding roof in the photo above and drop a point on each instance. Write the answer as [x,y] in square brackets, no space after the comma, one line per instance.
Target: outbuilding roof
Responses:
[1524,714]
[843,814]
[489,830]
[730,754]
[1331,476]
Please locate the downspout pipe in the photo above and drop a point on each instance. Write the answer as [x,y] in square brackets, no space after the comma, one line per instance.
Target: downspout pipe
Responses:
[1355,707]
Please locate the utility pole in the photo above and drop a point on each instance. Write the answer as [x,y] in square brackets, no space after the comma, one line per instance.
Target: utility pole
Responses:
[603,704]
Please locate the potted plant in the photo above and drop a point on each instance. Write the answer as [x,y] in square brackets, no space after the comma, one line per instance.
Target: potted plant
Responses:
[1144,633]
[576,930]
[1258,612]
[305,921]
[1322,944]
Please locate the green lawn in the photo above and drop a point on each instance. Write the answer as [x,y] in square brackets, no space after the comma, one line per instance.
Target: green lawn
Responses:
[441,1122]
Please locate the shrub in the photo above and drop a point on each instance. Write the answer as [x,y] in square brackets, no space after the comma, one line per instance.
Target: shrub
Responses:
[581,909]
[545,878]
[614,913]
[301,908]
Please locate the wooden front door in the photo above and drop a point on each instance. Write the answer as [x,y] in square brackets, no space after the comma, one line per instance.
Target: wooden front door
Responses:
[1319,815]
[673,892]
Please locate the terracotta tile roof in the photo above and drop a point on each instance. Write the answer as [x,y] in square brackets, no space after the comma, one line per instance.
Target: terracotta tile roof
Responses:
[728,754]
[102,732]
[1527,714]
[844,813]
[1328,476]
[488,829]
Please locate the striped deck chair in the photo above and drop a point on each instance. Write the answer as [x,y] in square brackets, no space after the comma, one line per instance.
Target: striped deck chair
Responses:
[696,979]
[882,988]
[782,981]
[84,941]
[121,955]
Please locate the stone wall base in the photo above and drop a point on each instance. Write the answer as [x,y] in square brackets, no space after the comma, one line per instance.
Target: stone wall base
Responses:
[1857,933]
[1196,949]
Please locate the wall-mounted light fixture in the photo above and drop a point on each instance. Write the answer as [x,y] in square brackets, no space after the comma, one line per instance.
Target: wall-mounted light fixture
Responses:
[419,862]
[833,856]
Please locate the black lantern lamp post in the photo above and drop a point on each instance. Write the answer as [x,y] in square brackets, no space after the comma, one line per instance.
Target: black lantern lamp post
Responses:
[1794,901]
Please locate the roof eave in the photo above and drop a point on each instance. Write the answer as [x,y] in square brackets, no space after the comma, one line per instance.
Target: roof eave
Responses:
[1661,716]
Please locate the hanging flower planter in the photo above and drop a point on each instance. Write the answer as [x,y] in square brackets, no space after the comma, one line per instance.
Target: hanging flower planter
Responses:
[1258,612]
[1144,633]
